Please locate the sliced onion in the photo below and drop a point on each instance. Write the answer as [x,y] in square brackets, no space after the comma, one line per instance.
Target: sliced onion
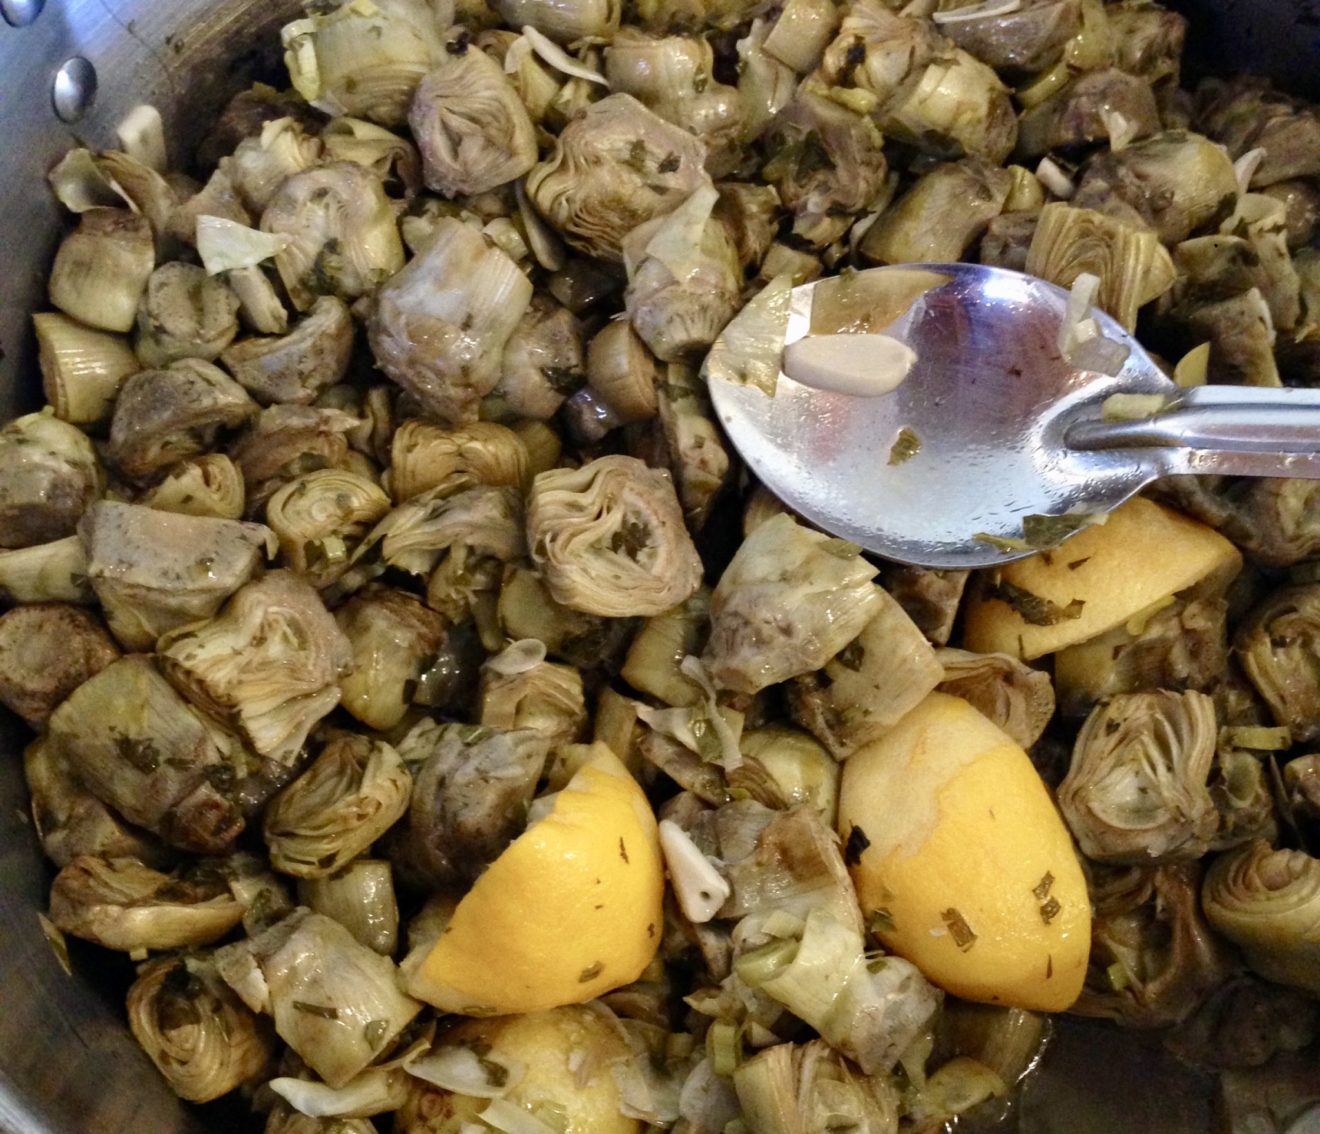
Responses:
[225,245]
[517,657]
[142,136]
[461,1070]
[983,11]
[560,59]
[511,1119]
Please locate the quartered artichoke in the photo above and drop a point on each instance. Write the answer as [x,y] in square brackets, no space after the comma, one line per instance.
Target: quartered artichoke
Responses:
[1136,791]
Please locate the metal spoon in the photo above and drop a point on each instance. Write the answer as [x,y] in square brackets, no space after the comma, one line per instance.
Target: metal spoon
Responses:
[1007,428]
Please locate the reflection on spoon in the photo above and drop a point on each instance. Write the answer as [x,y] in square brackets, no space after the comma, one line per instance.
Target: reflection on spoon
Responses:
[865,366]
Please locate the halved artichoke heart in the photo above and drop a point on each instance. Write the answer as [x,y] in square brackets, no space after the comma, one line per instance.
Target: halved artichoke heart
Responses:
[350,796]
[334,1001]
[122,904]
[154,571]
[472,788]
[1279,649]
[200,1036]
[1019,699]
[140,748]
[48,474]
[424,456]
[441,323]
[472,129]
[270,663]
[1267,902]
[1153,957]
[609,538]
[614,167]
[321,517]
[1136,791]
[789,601]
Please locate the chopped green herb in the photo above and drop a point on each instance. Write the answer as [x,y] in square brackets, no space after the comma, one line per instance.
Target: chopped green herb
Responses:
[959,930]
[591,973]
[374,1032]
[857,843]
[905,446]
[322,1010]
[1050,910]
[1035,609]
[1042,888]
[852,656]
[1041,532]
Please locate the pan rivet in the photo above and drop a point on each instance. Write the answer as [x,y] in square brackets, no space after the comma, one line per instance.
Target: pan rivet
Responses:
[74,89]
[20,13]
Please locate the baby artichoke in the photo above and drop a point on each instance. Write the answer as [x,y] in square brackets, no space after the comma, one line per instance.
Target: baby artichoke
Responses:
[1136,790]
[609,538]
[296,367]
[49,475]
[429,458]
[441,323]
[47,650]
[320,518]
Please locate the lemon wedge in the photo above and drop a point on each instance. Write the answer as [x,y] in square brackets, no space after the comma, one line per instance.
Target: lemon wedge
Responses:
[571,909]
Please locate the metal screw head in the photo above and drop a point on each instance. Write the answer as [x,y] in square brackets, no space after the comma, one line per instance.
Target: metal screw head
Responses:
[20,13]
[74,89]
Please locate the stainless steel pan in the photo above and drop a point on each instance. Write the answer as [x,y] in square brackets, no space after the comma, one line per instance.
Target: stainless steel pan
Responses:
[67,1062]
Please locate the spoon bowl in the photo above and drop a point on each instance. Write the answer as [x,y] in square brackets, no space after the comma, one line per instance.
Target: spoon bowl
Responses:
[992,425]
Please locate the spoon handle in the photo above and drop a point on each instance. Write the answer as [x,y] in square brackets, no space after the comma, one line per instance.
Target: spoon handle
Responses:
[1232,430]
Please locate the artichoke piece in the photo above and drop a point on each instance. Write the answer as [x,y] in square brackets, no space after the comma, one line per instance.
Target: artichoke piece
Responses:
[102,268]
[1264,901]
[209,485]
[1132,265]
[361,898]
[440,325]
[165,416]
[184,313]
[296,367]
[391,158]
[459,540]
[929,595]
[352,794]
[1301,779]
[284,442]
[920,87]
[1177,181]
[526,610]
[790,1088]
[613,168]
[868,1013]
[396,641]
[594,19]
[609,538]
[200,1036]
[674,76]
[49,475]
[802,771]
[123,904]
[1182,645]
[1148,39]
[1263,223]
[366,59]
[1031,37]
[543,361]
[46,572]
[871,682]
[1017,698]
[472,787]
[765,85]
[472,129]
[1007,240]
[1243,792]
[343,237]
[941,216]
[790,600]
[1245,1023]
[654,662]
[801,32]
[1153,957]
[81,369]
[521,690]
[1246,115]
[751,214]
[684,278]
[1301,203]
[1106,105]
[1278,650]
[47,650]
[70,821]
[1136,789]
[140,748]
[247,113]
[267,157]
[827,163]
[154,571]
[269,663]
[696,454]
[1240,331]
[334,1001]
[429,458]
